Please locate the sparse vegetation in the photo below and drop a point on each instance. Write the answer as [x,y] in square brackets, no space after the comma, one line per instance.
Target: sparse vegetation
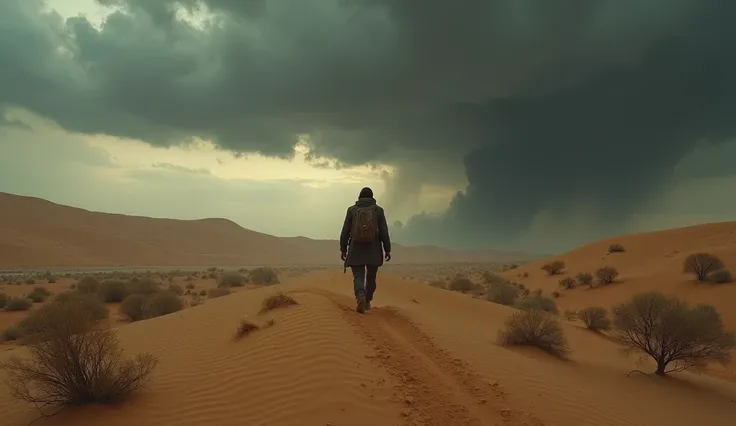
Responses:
[145,286]
[567,283]
[232,279]
[263,276]
[88,285]
[616,248]
[595,318]
[537,302]
[217,292]
[74,362]
[3,300]
[702,265]
[606,275]
[18,304]
[438,284]
[535,328]
[585,278]
[721,276]
[38,295]
[553,268]
[134,307]
[504,293]
[671,332]
[245,328]
[176,289]
[556,294]
[162,303]
[37,320]
[275,301]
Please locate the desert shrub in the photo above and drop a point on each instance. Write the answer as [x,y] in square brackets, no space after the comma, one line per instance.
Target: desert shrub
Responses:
[616,248]
[162,303]
[702,265]
[595,318]
[204,292]
[35,322]
[133,307]
[145,286]
[51,280]
[491,278]
[113,291]
[245,328]
[585,278]
[218,292]
[534,328]
[503,293]
[438,284]
[606,274]
[74,362]
[567,283]
[88,285]
[720,276]
[14,332]
[3,300]
[263,276]
[671,332]
[555,294]
[525,275]
[553,268]
[190,286]
[29,281]
[196,301]
[38,295]
[176,289]
[275,301]
[461,284]
[232,279]
[537,302]
[18,304]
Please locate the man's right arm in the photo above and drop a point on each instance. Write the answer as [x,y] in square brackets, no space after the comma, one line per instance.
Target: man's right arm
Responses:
[383,232]
[345,233]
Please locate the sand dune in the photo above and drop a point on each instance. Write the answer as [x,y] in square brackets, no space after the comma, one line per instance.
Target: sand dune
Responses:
[38,233]
[423,356]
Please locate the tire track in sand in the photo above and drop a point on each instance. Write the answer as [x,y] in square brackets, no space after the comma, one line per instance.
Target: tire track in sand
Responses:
[434,387]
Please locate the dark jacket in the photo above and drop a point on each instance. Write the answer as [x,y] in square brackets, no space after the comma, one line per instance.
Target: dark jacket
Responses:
[365,254]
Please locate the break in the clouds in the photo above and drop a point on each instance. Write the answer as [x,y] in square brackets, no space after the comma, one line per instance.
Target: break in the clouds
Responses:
[555,110]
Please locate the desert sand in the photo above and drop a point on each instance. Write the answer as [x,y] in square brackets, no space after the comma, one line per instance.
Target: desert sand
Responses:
[422,356]
[35,233]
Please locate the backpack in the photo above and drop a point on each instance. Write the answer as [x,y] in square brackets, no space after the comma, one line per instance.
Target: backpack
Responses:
[365,225]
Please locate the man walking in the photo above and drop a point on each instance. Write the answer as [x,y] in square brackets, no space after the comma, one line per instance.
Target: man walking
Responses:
[363,240]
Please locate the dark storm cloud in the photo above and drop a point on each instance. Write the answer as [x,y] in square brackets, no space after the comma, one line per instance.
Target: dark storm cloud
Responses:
[551,101]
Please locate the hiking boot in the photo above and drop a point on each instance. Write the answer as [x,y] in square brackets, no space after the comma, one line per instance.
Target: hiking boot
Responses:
[361,304]
[367,305]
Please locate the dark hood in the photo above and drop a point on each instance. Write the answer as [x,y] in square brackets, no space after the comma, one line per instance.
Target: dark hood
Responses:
[364,202]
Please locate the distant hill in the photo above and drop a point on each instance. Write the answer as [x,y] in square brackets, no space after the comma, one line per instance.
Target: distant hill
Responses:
[36,233]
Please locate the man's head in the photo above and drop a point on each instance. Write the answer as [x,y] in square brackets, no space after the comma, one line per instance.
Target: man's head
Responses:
[366,193]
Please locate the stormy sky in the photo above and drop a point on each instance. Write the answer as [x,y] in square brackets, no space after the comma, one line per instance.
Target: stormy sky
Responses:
[526,124]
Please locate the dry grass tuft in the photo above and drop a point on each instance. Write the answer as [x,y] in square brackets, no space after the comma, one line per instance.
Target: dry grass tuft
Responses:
[245,328]
[275,301]
[535,328]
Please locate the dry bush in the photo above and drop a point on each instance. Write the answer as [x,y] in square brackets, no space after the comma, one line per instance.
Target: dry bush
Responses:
[145,286]
[535,328]
[504,293]
[88,285]
[553,268]
[567,283]
[263,276]
[190,286]
[461,284]
[18,304]
[616,248]
[275,301]
[3,300]
[134,307]
[14,332]
[585,278]
[606,274]
[491,278]
[595,318]
[245,328]
[113,291]
[721,276]
[556,294]
[73,362]
[217,292]
[176,289]
[162,303]
[34,323]
[438,284]
[537,302]
[671,332]
[702,265]
[232,279]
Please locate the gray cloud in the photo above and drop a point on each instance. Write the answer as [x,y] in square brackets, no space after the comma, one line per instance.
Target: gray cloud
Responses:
[552,104]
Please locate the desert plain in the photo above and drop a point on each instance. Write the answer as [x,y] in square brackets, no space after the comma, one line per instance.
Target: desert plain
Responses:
[428,353]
